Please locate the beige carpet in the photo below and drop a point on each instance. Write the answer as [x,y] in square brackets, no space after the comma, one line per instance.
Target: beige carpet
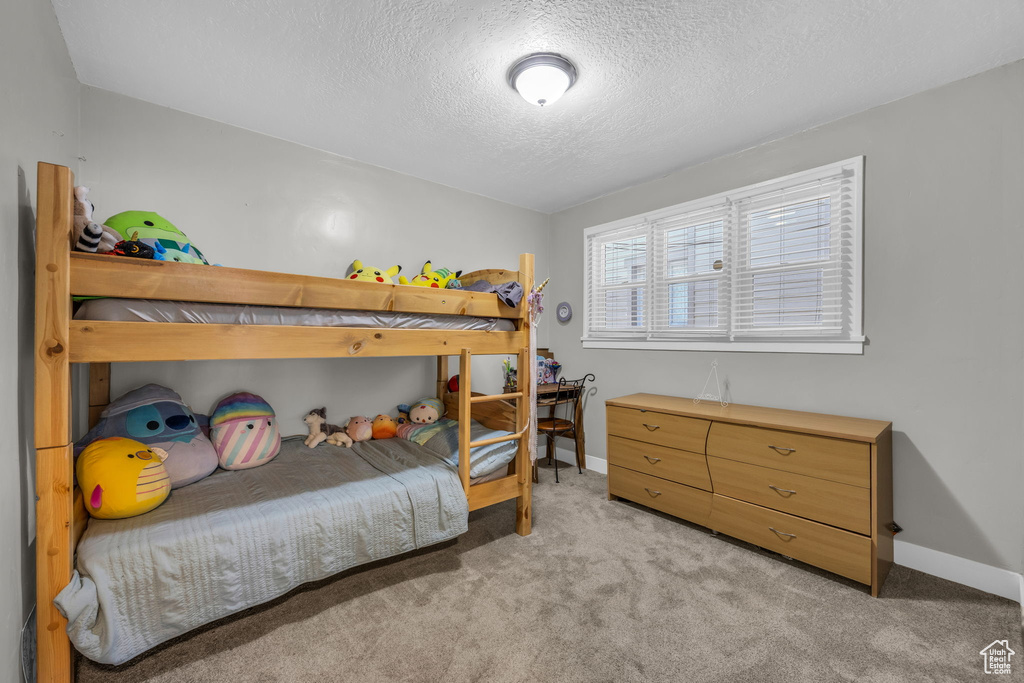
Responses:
[602,591]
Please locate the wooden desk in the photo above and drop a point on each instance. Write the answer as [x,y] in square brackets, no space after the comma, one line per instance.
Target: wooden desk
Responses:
[546,396]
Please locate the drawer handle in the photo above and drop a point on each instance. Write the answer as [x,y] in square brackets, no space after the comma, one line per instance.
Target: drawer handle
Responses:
[782,533]
[651,427]
[780,449]
[778,490]
[651,460]
[652,494]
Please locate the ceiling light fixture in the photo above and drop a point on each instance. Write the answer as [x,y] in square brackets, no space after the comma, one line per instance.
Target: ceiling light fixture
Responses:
[543,77]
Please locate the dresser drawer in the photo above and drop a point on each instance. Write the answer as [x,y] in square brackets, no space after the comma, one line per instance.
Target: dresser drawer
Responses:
[668,463]
[821,500]
[664,429]
[675,499]
[848,462]
[823,546]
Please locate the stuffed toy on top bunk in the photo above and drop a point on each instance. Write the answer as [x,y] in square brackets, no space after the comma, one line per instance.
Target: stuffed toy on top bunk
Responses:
[371,274]
[157,232]
[88,235]
[442,278]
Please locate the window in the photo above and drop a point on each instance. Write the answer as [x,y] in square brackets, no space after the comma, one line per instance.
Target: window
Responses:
[769,267]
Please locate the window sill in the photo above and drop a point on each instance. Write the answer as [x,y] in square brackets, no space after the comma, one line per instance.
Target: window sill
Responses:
[829,347]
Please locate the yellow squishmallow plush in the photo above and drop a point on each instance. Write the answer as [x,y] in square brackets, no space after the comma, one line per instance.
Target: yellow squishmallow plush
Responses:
[429,277]
[361,272]
[122,477]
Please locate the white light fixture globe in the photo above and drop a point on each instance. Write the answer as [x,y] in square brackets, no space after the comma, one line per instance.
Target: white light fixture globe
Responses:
[542,78]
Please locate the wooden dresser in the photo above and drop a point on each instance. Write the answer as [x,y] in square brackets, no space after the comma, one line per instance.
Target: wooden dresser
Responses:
[817,488]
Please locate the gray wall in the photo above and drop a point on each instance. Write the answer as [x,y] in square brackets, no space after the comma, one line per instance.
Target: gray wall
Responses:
[944,181]
[38,122]
[251,201]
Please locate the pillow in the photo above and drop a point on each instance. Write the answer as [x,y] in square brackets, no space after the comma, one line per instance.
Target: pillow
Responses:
[122,478]
[442,437]
[156,416]
[244,431]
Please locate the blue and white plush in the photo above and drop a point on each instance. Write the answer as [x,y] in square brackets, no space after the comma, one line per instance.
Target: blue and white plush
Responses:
[157,416]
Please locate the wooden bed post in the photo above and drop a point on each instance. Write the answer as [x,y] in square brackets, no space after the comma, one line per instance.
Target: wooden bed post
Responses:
[442,377]
[54,461]
[99,391]
[524,466]
[465,413]
[527,385]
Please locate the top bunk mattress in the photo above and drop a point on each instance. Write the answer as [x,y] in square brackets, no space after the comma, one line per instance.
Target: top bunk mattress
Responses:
[146,310]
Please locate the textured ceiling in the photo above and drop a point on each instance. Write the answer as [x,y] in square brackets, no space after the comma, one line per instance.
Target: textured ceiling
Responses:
[418,86]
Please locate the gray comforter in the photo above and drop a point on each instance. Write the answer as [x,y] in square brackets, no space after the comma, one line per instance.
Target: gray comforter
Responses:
[237,539]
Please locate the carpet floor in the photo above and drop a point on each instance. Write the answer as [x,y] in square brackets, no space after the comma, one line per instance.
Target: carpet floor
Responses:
[601,591]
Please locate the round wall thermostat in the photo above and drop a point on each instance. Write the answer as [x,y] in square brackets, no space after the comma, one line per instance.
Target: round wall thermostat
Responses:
[563,312]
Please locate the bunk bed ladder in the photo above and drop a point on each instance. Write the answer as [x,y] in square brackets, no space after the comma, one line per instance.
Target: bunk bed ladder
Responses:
[518,485]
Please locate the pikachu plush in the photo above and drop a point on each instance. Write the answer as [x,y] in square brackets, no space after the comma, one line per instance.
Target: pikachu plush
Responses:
[442,278]
[122,477]
[368,274]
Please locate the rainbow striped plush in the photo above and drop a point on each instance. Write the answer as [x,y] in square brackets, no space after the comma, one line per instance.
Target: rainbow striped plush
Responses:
[244,431]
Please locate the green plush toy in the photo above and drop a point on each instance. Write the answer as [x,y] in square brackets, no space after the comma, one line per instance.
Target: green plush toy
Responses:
[441,278]
[154,229]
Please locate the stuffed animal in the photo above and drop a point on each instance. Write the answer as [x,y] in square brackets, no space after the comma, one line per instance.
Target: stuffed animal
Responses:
[359,428]
[424,411]
[442,278]
[384,427]
[136,248]
[153,229]
[243,428]
[122,478]
[157,416]
[320,431]
[361,272]
[87,235]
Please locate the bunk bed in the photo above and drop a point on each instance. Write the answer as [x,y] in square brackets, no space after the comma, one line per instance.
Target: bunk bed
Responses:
[62,340]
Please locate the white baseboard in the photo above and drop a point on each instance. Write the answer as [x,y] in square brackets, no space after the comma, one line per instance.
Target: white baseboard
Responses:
[568,457]
[1002,582]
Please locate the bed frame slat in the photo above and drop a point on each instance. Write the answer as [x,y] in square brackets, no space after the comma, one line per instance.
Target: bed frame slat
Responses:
[103,275]
[96,341]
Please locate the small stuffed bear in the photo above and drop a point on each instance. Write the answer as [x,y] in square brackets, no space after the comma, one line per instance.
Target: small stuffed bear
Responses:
[88,235]
[384,427]
[424,411]
[359,428]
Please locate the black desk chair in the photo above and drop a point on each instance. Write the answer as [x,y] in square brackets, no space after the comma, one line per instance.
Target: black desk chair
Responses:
[565,411]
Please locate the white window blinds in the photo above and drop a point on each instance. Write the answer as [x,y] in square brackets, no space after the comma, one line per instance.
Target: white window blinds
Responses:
[774,266]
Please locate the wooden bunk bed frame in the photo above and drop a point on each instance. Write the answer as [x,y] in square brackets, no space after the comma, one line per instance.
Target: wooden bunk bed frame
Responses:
[60,341]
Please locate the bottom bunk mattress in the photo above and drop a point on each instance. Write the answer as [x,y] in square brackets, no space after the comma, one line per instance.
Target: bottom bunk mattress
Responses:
[240,538]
